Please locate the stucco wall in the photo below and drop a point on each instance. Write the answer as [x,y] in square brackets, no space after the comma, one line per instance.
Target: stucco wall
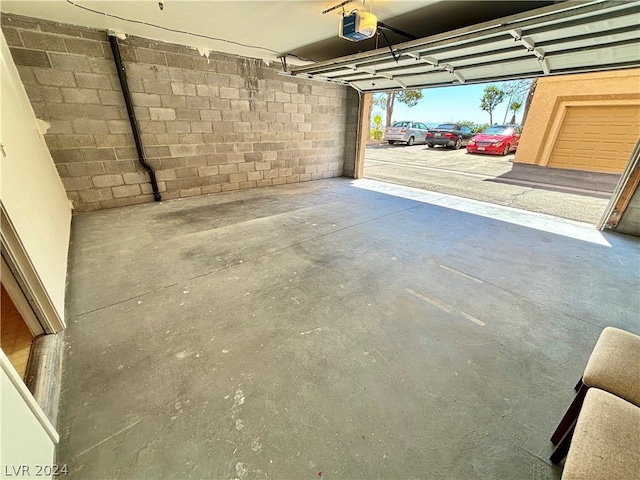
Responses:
[541,124]
[208,124]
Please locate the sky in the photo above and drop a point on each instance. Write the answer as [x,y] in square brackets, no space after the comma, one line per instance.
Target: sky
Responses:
[445,104]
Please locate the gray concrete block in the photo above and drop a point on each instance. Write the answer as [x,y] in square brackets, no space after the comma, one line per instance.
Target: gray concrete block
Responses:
[102,181]
[187,114]
[107,112]
[77,183]
[146,99]
[30,58]
[175,74]
[155,57]
[60,127]
[152,126]
[198,103]
[42,41]
[228,187]
[74,141]
[201,127]
[182,150]
[98,154]
[229,93]
[126,191]
[12,36]
[180,88]
[179,61]
[142,113]
[156,86]
[83,46]
[231,116]
[114,140]
[111,97]
[95,195]
[26,75]
[89,126]
[162,113]
[178,127]
[66,156]
[173,101]
[211,115]
[135,178]
[228,169]
[93,80]
[80,95]
[85,169]
[216,79]
[186,172]
[263,165]
[101,65]
[157,151]
[275,107]
[194,76]
[167,138]
[54,77]
[207,171]
[204,90]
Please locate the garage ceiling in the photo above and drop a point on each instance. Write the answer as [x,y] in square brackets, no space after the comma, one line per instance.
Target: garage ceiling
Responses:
[267,28]
[553,40]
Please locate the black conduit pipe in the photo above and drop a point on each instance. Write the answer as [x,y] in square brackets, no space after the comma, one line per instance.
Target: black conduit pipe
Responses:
[122,75]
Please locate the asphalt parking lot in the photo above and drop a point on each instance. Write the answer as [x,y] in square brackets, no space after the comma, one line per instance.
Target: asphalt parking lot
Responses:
[487,178]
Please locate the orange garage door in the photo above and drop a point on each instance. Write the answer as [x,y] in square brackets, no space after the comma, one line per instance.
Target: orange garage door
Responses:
[597,138]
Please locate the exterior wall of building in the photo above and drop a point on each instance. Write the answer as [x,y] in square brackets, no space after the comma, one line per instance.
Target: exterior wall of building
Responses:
[554,94]
[208,124]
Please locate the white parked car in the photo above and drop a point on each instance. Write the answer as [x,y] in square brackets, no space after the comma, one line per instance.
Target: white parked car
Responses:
[406,132]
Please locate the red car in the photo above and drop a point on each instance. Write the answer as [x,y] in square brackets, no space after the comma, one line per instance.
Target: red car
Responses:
[496,140]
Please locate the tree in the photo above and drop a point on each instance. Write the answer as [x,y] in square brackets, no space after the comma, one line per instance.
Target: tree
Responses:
[515,108]
[386,101]
[491,98]
[514,91]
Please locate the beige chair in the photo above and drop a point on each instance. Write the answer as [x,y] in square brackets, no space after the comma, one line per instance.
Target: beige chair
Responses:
[606,440]
[614,366]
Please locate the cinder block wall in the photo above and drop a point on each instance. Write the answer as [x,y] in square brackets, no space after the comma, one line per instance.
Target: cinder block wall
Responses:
[208,124]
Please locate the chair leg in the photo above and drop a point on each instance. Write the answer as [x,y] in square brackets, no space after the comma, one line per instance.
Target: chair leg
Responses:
[562,448]
[578,385]
[570,416]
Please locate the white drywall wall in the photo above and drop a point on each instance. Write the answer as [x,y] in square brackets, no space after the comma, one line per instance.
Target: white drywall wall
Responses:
[30,189]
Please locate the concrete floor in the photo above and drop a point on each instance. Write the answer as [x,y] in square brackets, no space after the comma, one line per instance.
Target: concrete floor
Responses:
[336,329]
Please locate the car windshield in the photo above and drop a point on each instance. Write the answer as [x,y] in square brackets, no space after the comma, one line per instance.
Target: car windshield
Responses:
[446,126]
[498,130]
[401,124]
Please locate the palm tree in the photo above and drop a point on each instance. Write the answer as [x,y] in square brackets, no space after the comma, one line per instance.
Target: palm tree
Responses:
[515,108]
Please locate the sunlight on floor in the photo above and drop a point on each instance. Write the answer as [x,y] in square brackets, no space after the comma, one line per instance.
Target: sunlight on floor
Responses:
[539,221]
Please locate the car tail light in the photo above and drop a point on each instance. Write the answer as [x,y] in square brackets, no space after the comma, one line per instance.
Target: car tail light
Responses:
[449,135]
[429,134]
[403,130]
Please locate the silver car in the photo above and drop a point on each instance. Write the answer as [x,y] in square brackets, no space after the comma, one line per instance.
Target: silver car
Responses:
[406,132]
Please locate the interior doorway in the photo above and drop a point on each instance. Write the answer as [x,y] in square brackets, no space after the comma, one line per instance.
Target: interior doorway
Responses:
[16,338]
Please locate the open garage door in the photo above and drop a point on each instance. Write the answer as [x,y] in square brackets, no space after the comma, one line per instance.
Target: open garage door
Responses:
[597,138]
[567,37]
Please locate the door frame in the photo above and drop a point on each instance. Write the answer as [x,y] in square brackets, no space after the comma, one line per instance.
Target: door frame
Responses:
[27,279]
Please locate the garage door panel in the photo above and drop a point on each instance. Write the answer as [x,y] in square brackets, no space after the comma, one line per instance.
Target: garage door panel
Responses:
[596,138]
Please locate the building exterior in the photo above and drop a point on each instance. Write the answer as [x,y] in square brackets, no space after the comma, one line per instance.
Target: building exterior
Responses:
[583,122]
